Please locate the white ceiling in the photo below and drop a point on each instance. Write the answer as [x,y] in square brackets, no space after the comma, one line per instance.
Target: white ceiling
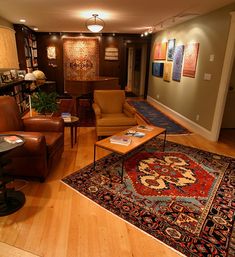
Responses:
[120,16]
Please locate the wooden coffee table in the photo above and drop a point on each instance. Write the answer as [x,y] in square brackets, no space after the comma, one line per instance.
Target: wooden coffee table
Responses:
[123,150]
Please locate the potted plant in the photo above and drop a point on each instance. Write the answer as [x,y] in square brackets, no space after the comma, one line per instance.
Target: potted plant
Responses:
[44,103]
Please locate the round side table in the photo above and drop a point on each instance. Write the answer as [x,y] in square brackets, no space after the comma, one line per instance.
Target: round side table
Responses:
[73,124]
[10,200]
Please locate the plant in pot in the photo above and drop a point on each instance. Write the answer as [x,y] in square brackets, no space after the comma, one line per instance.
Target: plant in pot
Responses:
[44,103]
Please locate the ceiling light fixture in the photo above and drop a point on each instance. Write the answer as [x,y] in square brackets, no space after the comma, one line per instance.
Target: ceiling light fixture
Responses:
[95,24]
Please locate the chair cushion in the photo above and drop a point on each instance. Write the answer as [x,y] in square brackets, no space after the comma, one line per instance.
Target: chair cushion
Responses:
[115,119]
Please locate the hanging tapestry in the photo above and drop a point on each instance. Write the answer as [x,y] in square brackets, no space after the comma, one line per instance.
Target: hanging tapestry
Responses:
[81,58]
[190,59]
[177,62]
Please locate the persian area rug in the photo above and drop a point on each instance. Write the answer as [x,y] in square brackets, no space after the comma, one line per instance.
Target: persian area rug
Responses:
[183,196]
[157,118]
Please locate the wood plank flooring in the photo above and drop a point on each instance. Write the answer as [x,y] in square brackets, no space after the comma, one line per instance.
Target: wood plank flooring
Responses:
[56,221]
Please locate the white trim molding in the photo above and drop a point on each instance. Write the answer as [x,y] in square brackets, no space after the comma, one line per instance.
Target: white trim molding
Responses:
[187,123]
[224,81]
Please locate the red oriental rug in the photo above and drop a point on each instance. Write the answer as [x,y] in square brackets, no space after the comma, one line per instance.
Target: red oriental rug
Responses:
[183,197]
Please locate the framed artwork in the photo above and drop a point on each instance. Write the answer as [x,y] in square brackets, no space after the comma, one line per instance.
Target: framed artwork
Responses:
[160,51]
[51,52]
[6,77]
[170,49]
[21,73]
[14,74]
[157,69]
[167,71]
[177,62]
[190,59]
[111,53]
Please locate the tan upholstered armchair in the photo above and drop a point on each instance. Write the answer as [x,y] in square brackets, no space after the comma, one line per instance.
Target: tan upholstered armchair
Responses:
[113,113]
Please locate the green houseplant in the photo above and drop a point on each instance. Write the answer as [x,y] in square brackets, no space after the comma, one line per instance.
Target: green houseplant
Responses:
[44,103]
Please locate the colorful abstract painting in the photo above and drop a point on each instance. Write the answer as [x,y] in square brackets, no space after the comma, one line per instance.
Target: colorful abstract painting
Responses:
[160,51]
[81,58]
[167,71]
[157,69]
[177,62]
[190,59]
[170,49]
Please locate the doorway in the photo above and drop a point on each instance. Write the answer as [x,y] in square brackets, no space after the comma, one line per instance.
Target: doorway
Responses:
[136,69]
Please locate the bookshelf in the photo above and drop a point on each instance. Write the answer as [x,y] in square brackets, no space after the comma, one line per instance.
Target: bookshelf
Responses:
[26,47]
[20,90]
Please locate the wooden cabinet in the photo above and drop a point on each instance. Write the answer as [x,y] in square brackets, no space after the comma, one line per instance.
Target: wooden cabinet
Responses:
[20,90]
[26,48]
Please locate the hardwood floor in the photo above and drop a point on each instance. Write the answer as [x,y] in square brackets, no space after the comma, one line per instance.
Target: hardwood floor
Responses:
[56,221]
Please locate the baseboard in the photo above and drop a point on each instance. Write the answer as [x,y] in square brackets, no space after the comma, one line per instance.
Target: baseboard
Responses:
[187,123]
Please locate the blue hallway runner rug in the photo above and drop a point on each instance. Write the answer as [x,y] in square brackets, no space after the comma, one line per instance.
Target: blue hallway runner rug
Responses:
[157,118]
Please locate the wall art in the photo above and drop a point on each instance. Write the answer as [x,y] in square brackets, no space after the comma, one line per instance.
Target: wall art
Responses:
[167,71]
[160,51]
[157,69]
[81,58]
[177,62]
[111,54]
[170,49]
[190,59]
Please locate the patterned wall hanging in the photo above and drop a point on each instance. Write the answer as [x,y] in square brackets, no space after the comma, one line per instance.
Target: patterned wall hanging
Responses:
[177,62]
[160,51]
[157,69]
[81,58]
[167,71]
[190,59]
[170,49]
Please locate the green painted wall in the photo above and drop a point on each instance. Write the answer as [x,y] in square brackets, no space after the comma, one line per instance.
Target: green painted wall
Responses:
[195,96]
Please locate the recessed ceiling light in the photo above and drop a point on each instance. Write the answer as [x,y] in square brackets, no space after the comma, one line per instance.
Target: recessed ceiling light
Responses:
[22,20]
[35,28]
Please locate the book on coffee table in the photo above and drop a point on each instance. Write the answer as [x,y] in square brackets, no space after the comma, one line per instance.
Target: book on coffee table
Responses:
[145,127]
[120,140]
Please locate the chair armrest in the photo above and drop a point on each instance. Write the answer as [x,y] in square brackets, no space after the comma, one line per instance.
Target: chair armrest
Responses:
[97,110]
[129,110]
[41,124]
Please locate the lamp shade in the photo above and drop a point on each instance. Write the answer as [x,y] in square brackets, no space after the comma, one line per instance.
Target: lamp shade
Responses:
[95,24]
[8,51]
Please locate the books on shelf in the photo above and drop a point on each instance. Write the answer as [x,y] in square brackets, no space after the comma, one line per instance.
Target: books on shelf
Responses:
[120,140]
[13,139]
[66,116]
[145,127]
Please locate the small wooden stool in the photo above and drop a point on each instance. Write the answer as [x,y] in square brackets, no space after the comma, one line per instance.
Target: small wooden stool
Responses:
[73,124]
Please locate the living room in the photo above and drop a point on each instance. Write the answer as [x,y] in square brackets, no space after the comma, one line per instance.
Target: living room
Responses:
[58,221]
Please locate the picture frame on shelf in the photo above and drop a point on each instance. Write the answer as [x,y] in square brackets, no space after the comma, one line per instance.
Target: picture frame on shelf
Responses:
[14,74]
[6,77]
[21,73]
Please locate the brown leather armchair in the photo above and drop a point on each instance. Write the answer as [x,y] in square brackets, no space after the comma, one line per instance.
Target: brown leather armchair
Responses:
[44,141]
[113,113]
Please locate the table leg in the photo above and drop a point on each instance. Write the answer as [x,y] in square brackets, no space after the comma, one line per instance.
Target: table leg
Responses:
[164,142]
[71,135]
[75,128]
[94,156]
